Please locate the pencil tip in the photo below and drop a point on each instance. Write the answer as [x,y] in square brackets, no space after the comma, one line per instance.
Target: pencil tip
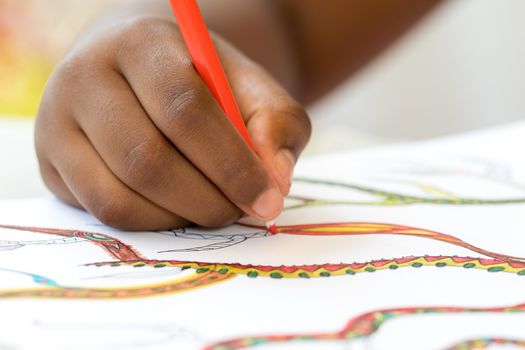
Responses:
[270,226]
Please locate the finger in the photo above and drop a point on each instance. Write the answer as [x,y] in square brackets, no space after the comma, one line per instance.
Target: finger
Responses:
[279,127]
[47,131]
[141,156]
[279,138]
[55,184]
[182,107]
[98,190]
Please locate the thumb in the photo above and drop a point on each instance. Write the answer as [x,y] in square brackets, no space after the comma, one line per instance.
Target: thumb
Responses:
[278,125]
[279,132]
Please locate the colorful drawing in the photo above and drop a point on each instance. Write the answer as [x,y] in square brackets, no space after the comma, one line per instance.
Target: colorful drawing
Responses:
[54,290]
[110,245]
[117,250]
[365,228]
[481,344]
[388,198]
[328,270]
[38,279]
[333,229]
[207,273]
[367,324]
[200,274]
[325,229]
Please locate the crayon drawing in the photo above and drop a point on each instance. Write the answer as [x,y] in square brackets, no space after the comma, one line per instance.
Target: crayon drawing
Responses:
[388,198]
[181,275]
[208,273]
[365,325]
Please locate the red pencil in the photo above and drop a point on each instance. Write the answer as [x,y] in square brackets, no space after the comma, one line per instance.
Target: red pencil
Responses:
[208,65]
[206,60]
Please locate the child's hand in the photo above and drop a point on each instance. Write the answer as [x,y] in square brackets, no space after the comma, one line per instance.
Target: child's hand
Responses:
[128,131]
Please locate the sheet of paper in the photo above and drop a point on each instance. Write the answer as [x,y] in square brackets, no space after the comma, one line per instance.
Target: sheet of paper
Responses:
[419,246]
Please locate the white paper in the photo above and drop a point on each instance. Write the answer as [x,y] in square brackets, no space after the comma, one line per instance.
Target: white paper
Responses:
[453,209]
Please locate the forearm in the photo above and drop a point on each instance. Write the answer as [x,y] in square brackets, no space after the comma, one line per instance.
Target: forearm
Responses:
[335,38]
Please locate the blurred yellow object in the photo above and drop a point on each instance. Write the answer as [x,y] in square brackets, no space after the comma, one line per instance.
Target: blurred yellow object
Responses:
[21,84]
[23,59]
[33,36]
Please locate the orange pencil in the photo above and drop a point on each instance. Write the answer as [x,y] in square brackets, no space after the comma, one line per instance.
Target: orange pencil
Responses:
[208,65]
[206,60]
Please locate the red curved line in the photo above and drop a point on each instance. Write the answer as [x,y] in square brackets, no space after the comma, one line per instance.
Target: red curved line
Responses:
[114,247]
[392,229]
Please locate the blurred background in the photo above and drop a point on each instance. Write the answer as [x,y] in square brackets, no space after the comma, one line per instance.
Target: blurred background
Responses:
[34,34]
[461,68]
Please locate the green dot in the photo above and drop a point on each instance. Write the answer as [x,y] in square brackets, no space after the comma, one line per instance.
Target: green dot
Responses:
[276,275]
[223,270]
[202,270]
[139,265]
[417,264]
[441,264]
[350,272]
[469,265]
[158,266]
[304,275]
[114,265]
[252,274]
[496,269]
[370,269]
[185,267]
[521,273]
[324,274]
[393,267]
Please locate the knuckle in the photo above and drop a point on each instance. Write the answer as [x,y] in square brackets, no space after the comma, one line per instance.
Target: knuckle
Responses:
[180,100]
[70,74]
[181,104]
[69,66]
[79,70]
[132,34]
[139,24]
[144,164]
[144,25]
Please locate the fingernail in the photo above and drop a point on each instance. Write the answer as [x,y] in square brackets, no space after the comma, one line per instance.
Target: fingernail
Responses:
[284,163]
[269,204]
